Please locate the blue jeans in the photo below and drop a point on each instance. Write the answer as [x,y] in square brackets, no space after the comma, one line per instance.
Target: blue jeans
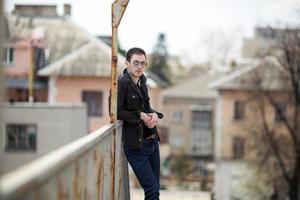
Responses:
[145,163]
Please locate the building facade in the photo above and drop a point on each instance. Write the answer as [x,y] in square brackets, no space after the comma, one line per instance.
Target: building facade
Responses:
[237,119]
[190,108]
[29,131]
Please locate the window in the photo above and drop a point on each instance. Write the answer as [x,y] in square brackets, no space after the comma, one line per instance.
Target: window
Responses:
[279,112]
[21,137]
[201,120]
[177,116]
[93,99]
[238,147]
[175,140]
[39,58]
[239,110]
[201,142]
[8,55]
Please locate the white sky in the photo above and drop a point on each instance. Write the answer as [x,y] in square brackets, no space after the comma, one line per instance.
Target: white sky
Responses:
[185,23]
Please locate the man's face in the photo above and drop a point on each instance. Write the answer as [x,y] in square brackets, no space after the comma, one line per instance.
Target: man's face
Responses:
[136,65]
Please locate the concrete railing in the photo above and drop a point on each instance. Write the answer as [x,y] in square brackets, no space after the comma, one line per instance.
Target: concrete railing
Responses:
[93,167]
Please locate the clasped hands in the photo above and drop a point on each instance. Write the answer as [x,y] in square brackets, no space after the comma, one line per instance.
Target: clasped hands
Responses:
[150,119]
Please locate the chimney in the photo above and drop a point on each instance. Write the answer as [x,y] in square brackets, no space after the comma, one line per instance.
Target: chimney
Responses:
[67,10]
[35,10]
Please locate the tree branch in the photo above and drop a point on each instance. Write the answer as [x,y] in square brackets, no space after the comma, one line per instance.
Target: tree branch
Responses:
[284,119]
[272,143]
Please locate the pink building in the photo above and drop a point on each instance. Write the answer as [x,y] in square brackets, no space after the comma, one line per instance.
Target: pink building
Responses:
[19,54]
[77,63]
[83,76]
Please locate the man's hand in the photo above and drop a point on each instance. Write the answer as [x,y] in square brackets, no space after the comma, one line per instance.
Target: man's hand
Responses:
[149,119]
[154,116]
[145,117]
[153,121]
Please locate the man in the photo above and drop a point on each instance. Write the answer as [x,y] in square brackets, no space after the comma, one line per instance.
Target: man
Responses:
[139,123]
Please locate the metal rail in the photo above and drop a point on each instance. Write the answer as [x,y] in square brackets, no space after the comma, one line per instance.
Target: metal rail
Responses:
[82,169]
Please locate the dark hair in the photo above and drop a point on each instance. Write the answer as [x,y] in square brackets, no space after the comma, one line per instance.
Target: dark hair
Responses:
[134,50]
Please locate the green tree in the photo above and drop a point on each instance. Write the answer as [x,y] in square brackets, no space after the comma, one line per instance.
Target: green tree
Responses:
[181,167]
[159,59]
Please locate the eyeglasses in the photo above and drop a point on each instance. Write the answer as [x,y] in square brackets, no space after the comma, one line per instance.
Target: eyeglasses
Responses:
[138,63]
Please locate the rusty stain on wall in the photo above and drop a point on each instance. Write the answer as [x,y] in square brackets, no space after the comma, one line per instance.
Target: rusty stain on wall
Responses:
[112,164]
[99,167]
[76,179]
[60,193]
[37,195]
[85,175]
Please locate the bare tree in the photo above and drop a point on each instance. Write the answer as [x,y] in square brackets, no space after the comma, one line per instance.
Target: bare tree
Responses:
[220,46]
[275,89]
[56,48]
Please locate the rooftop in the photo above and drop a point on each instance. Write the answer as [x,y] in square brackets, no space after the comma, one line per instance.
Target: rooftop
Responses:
[197,87]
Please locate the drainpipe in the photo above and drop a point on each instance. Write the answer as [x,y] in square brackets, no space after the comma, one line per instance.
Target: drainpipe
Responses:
[2,82]
[1,43]
[31,73]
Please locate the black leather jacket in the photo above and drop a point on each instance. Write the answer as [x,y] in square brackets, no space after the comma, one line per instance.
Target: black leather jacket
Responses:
[130,104]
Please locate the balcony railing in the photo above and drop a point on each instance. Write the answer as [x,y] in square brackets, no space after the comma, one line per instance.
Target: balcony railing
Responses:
[93,167]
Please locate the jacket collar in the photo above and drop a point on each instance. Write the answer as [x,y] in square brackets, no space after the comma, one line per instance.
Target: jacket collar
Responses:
[142,80]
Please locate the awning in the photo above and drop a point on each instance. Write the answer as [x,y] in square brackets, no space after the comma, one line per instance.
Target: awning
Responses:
[23,84]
